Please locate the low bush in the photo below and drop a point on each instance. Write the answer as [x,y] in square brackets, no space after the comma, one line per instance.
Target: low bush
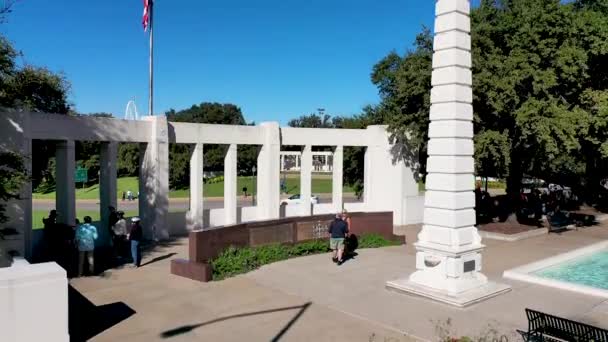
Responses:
[233,261]
[213,180]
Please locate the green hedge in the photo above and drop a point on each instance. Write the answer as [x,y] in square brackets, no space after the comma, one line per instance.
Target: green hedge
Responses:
[235,261]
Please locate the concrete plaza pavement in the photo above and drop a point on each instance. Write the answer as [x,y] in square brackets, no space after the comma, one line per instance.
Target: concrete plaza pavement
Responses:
[163,307]
[349,302]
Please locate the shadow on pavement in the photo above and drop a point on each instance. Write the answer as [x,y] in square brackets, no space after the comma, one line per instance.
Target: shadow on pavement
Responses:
[86,320]
[187,328]
[159,258]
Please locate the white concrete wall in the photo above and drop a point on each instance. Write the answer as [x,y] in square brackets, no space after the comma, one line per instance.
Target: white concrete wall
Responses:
[324,208]
[33,303]
[415,209]
[292,210]
[389,183]
[355,206]
[190,133]
[216,217]
[87,128]
[248,213]
[323,137]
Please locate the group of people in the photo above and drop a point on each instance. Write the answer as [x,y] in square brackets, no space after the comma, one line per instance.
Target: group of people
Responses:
[63,242]
[126,238]
[340,237]
[128,195]
[529,207]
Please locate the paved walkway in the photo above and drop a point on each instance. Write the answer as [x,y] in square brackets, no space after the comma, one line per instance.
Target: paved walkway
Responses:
[346,303]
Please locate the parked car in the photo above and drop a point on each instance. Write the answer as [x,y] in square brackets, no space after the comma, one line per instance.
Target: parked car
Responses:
[295,199]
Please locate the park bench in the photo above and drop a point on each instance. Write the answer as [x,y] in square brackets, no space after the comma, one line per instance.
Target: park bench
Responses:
[545,327]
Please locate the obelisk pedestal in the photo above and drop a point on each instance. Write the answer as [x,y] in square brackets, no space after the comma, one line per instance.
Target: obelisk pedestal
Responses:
[448,258]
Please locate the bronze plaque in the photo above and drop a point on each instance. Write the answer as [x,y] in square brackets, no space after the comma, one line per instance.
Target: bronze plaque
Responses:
[469,266]
[281,233]
[312,230]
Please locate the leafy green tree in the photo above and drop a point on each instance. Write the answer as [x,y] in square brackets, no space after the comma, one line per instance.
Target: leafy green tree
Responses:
[31,88]
[312,121]
[404,85]
[128,160]
[12,177]
[539,77]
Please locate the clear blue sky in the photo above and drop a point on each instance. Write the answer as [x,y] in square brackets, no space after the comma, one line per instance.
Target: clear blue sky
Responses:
[276,59]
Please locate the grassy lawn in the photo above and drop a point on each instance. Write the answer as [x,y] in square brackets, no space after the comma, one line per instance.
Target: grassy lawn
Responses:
[320,185]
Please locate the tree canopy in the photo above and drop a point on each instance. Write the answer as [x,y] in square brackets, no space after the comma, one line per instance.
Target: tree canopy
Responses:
[539,90]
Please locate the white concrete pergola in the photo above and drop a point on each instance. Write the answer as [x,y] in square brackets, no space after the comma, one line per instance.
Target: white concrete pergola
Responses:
[389,185]
[448,258]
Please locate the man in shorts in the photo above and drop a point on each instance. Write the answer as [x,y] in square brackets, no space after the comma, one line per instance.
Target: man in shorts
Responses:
[338,229]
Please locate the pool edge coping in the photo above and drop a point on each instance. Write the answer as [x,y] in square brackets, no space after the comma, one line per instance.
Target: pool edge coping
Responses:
[524,272]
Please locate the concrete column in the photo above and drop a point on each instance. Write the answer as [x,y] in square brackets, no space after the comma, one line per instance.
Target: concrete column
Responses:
[154,180]
[269,174]
[230,178]
[107,186]
[448,258]
[306,181]
[195,215]
[336,184]
[367,176]
[65,195]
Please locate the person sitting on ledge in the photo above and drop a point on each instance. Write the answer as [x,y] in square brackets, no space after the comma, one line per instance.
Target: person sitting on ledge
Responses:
[337,230]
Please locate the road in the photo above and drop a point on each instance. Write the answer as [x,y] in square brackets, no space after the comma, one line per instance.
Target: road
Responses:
[175,204]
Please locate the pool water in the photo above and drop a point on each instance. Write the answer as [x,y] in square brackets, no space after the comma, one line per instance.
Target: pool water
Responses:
[591,270]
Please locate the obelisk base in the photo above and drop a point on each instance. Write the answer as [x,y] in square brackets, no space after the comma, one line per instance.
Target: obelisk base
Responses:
[461,300]
[449,275]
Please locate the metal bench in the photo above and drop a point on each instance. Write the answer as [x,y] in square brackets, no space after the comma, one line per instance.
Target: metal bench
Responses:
[545,327]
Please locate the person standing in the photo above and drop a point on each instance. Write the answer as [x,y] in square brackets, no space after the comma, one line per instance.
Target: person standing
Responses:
[337,230]
[120,234]
[86,234]
[51,236]
[135,236]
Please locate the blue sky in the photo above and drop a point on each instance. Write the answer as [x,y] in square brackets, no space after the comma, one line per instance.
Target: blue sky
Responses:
[276,59]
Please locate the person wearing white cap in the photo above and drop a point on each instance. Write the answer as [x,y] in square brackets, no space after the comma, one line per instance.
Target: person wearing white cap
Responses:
[135,236]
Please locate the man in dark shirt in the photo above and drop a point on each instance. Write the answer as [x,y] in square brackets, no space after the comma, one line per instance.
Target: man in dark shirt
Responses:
[135,236]
[337,230]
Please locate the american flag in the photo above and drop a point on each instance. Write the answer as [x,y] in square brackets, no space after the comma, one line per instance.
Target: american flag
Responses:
[146,16]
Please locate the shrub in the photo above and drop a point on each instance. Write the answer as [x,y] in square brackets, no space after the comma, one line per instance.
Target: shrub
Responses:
[375,241]
[233,261]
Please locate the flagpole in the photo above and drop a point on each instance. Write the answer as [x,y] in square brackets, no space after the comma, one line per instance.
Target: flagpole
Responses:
[151,71]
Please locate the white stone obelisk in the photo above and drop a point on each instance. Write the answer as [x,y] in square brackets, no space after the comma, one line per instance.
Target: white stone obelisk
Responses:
[448,258]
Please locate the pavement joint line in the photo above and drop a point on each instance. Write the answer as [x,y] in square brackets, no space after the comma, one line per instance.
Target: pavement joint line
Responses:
[380,324]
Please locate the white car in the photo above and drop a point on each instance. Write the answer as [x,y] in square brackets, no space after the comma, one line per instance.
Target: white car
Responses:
[295,199]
